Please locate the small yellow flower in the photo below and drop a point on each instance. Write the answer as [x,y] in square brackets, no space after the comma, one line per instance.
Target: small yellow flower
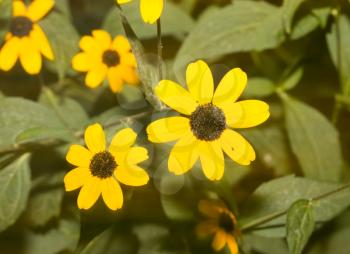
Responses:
[103,58]
[204,128]
[26,40]
[99,170]
[151,10]
[221,223]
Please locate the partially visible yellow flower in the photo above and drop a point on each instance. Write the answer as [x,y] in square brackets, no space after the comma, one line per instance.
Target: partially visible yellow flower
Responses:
[221,223]
[151,10]
[99,170]
[204,127]
[26,40]
[103,58]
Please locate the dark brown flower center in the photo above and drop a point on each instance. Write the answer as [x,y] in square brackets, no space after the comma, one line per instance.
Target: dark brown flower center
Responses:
[21,26]
[226,223]
[208,122]
[102,165]
[111,58]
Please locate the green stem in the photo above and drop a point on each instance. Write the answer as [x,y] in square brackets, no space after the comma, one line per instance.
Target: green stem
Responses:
[160,49]
[253,225]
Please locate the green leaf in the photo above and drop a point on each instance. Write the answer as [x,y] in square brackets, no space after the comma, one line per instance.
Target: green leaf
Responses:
[5,18]
[338,41]
[278,195]
[239,27]
[110,242]
[259,87]
[62,237]
[64,42]
[289,9]
[292,78]
[174,21]
[38,134]
[314,141]
[18,115]
[300,225]
[304,26]
[14,191]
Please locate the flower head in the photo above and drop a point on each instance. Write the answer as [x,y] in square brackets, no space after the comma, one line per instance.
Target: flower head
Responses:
[25,40]
[99,170]
[151,10]
[103,58]
[221,223]
[204,129]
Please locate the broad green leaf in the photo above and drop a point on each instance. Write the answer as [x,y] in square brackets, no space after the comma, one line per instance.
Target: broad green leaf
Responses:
[174,21]
[271,147]
[70,112]
[304,26]
[110,242]
[18,115]
[338,41]
[132,98]
[5,18]
[266,245]
[259,88]
[289,9]
[61,238]
[14,191]
[314,141]
[279,194]
[300,225]
[240,27]
[64,41]
[38,134]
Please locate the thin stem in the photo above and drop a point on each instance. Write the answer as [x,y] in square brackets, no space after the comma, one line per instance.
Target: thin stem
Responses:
[160,49]
[255,224]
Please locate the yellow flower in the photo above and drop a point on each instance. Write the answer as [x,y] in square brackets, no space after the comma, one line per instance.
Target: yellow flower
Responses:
[221,223]
[204,128]
[102,57]
[151,10]
[26,40]
[99,170]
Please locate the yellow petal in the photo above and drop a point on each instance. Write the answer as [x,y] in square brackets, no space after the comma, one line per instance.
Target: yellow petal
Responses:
[131,175]
[38,36]
[19,8]
[168,129]
[206,228]
[200,82]
[115,79]
[30,56]
[123,1]
[176,97]
[76,178]
[39,8]
[212,159]
[246,114]
[136,155]
[232,244]
[95,138]
[81,62]
[128,59]
[130,75]
[237,147]
[151,10]
[219,240]
[123,139]
[230,87]
[9,53]
[89,193]
[96,76]
[184,154]
[103,38]
[121,45]
[79,156]
[88,43]
[112,194]
[212,208]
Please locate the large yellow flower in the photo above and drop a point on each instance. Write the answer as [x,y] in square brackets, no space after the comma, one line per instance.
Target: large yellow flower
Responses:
[26,40]
[102,57]
[99,169]
[204,128]
[151,10]
[222,223]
